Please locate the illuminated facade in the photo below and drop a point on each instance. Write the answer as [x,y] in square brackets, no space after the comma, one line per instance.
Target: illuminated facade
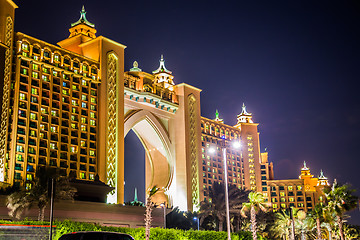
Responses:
[246,166]
[303,193]
[72,104]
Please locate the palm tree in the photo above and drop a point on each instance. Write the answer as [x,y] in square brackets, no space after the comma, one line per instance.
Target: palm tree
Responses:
[340,199]
[38,195]
[149,208]
[256,202]
[318,214]
[217,208]
[304,224]
[282,225]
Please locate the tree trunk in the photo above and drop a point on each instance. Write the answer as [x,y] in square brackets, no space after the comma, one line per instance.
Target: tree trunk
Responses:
[253,222]
[221,224]
[148,218]
[41,214]
[340,223]
[318,228]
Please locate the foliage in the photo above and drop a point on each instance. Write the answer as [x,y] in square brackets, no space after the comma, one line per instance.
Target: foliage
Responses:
[139,233]
[256,202]
[216,209]
[37,195]
[340,199]
[181,220]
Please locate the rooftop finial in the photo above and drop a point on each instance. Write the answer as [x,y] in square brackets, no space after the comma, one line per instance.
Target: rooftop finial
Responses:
[322,175]
[217,118]
[135,67]
[305,167]
[216,114]
[162,68]
[135,195]
[83,19]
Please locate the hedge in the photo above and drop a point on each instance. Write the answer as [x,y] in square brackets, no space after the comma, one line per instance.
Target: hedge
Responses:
[67,226]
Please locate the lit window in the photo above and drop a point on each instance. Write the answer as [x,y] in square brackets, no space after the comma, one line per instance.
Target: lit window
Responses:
[82,175]
[282,194]
[29,177]
[85,68]
[56,58]
[299,188]
[83,82]
[35,75]
[83,143]
[34,91]
[83,120]
[53,146]
[93,100]
[290,188]
[35,66]
[54,113]
[74,110]
[31,150]
[83,97]
[92,153]
[25,46]
[45,70]
[22,96]
[73,149]
[45,78]
[92,176]
[19,158]
[92,114]
[19,148]
[74,102]
[92,107]
[83,128]
[53,129]
[74,126]
[83,105]
[33,116]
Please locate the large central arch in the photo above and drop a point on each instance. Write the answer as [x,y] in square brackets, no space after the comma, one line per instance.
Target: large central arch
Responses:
[159,166]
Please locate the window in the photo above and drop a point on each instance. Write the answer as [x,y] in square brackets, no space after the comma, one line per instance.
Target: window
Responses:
[34,91]
[25,46]
[83,82]
[92,153]
[22,96]
[282,194]
[19,148]
[299,188]
[53,129]
[33,116]
[92,122]
[83,97]
[83,128]
[93,100]
[290,188]
[35,75]
[35,66]
[53,145]
[83,105]
[73,149]
[56,58]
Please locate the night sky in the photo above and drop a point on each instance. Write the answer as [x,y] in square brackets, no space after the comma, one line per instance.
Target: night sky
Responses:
[295,64]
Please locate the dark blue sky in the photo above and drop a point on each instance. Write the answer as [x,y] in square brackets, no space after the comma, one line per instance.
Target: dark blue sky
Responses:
[295,64]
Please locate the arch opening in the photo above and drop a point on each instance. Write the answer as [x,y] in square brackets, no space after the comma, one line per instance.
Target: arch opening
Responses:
[156,144]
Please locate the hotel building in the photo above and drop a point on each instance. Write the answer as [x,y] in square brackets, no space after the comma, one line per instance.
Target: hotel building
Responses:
[70,106]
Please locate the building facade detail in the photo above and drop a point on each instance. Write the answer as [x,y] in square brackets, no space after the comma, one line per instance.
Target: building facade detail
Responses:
[193,152]
[6,99]
[111,165]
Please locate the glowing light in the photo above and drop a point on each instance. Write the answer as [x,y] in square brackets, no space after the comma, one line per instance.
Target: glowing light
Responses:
[211,150]
[236,144]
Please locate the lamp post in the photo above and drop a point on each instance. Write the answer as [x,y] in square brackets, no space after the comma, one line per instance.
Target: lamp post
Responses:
[197,219]
[163,205]
[235,144]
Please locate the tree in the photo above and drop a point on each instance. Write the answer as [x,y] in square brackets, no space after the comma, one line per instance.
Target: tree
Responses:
[149,208]
[38,195]
[217,207]
[304,224]
[340,199]
[256,202]
[319,214]
[282,225]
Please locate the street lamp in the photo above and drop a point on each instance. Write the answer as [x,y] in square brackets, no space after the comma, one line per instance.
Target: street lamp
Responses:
[164,207]
[197,219]
[235,144]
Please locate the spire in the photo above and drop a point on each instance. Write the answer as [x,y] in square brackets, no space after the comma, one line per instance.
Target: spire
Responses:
[217,117]
[322,175]
[135,195]
[305,168]
[243,111]
[162,68]
[244,116]
[83,19]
